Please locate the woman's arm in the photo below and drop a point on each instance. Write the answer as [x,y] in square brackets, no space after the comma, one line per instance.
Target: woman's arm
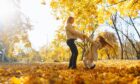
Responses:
[79,35]
[76,33]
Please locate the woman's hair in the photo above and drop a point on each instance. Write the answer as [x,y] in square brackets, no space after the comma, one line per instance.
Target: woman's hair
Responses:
[69,19]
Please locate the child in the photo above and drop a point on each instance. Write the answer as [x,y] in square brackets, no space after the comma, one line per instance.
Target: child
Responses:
[91,51]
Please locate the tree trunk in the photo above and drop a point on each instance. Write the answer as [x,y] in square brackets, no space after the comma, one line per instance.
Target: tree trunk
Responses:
[133,45]
[116,30]
[138,55]
[108,55]
[134,27]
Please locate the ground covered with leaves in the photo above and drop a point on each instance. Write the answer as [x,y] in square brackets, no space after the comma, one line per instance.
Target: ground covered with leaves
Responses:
[105,72]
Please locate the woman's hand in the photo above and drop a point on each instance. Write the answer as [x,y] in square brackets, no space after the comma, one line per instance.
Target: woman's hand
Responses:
[86,38]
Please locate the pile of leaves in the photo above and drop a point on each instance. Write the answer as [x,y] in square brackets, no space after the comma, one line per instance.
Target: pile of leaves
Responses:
[105,72]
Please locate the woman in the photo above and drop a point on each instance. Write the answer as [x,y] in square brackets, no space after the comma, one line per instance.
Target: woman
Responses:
[72,35]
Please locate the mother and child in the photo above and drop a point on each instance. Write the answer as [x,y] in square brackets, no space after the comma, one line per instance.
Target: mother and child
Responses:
[91,54]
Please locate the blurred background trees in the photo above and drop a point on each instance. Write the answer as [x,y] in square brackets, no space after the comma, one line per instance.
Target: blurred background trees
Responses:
[15,45]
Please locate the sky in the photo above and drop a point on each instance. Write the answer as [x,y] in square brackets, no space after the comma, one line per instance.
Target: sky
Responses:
[44,23]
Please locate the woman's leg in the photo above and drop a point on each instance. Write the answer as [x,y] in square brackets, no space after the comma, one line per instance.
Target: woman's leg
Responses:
[69,43]
[74,56]
[74,51]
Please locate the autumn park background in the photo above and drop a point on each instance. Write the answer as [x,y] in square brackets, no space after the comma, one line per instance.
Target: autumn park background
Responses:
[118,21]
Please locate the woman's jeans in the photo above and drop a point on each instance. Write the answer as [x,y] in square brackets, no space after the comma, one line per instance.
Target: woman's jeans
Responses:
[74,51]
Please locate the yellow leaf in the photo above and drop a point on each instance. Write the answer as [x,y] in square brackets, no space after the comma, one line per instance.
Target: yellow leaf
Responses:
[112,1]
[15,80]
[135,81]
[110,22]
[90,28]
[54,4]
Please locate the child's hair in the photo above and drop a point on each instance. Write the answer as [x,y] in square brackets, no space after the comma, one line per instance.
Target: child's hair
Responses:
[69,19]
[103,41]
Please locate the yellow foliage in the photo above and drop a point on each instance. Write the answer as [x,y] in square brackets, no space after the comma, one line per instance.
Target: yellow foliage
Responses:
[110,22]
[54,4]
[135,81]
[15,80]
[106,71]
[100,20]
[28,44]
[112,1]
[98,1]
[90,28]
[96,11]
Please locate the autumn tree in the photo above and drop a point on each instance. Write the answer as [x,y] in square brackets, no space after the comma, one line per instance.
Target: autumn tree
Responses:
[89,14]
